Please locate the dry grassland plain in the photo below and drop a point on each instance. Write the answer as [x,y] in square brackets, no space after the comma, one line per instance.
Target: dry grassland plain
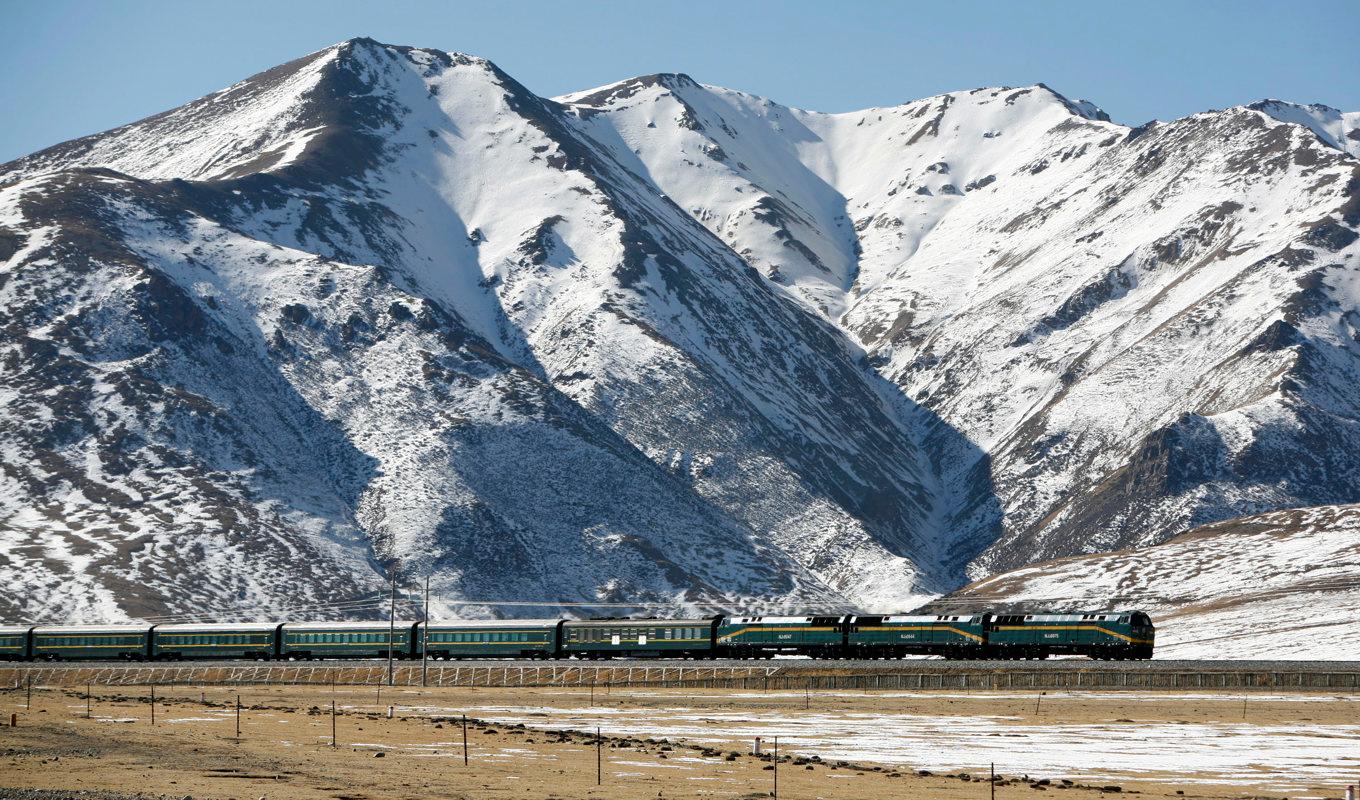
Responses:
[540,743]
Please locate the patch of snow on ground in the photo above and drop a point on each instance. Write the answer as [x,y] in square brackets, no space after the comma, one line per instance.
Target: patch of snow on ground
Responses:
[1282,757]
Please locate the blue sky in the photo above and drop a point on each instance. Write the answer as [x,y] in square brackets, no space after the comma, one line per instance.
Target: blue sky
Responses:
[71,68]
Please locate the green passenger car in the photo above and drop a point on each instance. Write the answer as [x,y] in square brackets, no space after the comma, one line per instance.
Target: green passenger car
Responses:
[258,641]
[949,635]
[490,639]
[764,637]
[301,640]
[15,642]
[617,638]
[1098,634]
[71,642]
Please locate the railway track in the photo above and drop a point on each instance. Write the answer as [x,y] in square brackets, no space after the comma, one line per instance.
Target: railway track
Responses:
[769,666]
[760,675]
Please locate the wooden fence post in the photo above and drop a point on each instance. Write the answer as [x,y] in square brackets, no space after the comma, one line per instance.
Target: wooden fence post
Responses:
[776,768]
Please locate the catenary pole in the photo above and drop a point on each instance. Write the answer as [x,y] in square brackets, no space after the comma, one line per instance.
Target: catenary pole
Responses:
[391,628]
[425,637]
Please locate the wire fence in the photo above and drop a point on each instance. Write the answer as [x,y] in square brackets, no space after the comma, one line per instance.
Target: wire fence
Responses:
[748,677]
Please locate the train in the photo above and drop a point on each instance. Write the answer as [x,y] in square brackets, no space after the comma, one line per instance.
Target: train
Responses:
[1105,635]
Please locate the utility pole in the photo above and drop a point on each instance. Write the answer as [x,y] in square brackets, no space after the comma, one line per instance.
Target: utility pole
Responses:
[425,637]
[391,627]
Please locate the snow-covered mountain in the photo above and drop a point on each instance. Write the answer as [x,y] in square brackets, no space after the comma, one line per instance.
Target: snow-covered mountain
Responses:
[383,307]
[1275,585]
[406,311]
[1136,330]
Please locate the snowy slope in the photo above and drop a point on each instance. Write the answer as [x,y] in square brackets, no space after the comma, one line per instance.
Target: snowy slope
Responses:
[731,161]
[1276,585]
[201,419]
[1136,330]
[792,191]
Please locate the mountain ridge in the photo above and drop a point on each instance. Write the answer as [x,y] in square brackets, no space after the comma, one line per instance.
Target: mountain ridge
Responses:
[965,141]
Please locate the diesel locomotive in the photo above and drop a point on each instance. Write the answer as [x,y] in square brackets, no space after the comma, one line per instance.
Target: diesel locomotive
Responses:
[977,635]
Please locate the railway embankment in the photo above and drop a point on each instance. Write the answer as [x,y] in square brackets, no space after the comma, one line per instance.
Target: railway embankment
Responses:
[780,675]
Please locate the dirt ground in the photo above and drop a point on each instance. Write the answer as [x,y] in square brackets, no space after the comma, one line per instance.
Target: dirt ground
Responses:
[284,749]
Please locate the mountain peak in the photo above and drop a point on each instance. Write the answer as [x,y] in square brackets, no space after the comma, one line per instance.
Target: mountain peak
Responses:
[261,123]
[1335,128]
[622,90]
[424,56]
[325,106]
[1082,108]
[1275,103]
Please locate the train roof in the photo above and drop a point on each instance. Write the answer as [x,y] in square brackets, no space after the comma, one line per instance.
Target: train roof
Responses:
[190,627]
[1073,616]
[495,623]
[8,629]
[924,618]
[781,620]
[73,629]
[345,626]
[607,623]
